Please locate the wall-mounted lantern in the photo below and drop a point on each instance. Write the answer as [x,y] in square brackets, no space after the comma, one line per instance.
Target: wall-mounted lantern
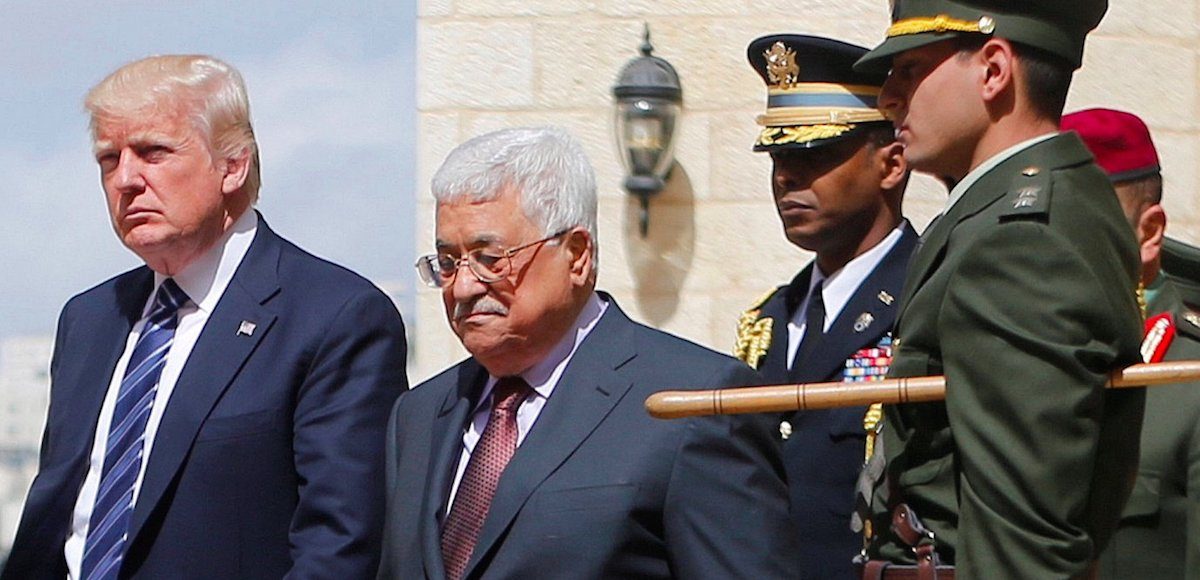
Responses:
[649,98]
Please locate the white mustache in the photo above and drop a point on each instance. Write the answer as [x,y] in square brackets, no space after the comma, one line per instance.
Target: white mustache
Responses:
[480,306]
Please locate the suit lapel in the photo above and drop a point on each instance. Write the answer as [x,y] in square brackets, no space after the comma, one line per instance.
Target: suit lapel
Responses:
[445,451]
[96,344]
[215,360]
[588,390]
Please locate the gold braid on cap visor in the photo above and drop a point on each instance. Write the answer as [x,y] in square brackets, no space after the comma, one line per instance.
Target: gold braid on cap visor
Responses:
[940,23]
[810,111]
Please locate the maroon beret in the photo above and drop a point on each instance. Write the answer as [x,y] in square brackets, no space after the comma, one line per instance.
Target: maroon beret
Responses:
[1120,142]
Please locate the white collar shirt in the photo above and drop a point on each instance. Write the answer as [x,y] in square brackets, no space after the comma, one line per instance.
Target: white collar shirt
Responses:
[838,288]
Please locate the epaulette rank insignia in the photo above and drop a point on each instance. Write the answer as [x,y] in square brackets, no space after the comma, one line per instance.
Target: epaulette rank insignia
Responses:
[753,333]
[1160,331]
[1029,194]
[1192,328]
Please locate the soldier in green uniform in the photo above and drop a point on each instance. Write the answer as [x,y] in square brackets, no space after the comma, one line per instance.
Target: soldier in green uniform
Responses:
[1022,294]
[1159,532]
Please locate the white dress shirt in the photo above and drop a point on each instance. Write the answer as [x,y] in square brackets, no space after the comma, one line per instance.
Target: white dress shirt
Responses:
[542,377]
[204,281]
[839,288]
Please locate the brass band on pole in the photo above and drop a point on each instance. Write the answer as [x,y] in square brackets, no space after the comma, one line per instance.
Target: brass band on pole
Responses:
[801,397]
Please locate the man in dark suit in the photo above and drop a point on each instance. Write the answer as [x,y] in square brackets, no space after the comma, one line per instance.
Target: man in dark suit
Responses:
[219,412]
[838,179]
[1159,533]
[1021,294]
[535,458]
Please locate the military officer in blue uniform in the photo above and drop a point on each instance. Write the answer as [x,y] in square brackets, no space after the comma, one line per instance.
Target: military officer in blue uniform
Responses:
[838,179]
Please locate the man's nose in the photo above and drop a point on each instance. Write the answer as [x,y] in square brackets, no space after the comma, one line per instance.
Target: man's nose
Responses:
[466,284]
[127,175]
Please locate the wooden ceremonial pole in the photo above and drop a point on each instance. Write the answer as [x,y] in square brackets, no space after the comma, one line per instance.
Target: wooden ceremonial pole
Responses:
[802,397]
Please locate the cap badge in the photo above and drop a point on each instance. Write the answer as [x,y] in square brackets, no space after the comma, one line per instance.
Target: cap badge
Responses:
[886,298]
[987,25]
[1026,197]
[781,66]
[864,320]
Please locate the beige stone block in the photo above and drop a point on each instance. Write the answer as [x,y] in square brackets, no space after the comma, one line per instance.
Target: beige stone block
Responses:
[475,65]
[673,7]
[693,161]
[1150,19]
[738,172]
[537,8]
[1156,81]
[438,134]
[710,55]
[579,60]
[431,8]
[740,245]
[1178,153]
[861,22]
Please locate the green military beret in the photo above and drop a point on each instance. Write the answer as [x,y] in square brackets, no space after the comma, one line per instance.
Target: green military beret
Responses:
[1055,26]
[1181,263]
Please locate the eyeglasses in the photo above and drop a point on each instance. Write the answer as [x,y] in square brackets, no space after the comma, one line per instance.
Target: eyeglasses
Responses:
[489,265]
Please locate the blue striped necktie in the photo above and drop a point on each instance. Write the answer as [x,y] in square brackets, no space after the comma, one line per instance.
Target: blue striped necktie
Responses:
[107,529]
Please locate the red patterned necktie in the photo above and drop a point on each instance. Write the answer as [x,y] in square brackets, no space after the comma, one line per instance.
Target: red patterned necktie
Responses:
[488,460]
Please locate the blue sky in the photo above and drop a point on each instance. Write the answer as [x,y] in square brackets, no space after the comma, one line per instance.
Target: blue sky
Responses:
[332,97]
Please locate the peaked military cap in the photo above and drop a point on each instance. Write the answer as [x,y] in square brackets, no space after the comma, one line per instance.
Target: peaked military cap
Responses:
[814,96]
[1119,141]
[1055,26]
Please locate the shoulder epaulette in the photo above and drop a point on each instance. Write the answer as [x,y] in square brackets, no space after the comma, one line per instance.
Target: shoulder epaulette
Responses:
[1029,194]
[754,333]
[1189,323]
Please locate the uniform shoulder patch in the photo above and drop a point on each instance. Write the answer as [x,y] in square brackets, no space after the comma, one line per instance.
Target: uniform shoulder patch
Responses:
[1160,331]
[1029,194]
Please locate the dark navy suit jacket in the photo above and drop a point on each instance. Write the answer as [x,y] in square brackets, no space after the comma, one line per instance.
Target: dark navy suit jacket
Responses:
[269,458]
[598,488]
[825,450]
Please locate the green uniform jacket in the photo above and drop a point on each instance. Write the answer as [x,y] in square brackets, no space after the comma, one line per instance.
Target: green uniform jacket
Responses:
[1159,534]
[1022,294]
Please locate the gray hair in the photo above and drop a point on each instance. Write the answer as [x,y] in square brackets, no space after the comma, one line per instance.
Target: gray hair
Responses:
[213,91]
[545,165]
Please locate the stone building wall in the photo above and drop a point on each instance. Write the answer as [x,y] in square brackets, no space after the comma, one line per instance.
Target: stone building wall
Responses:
[715,243]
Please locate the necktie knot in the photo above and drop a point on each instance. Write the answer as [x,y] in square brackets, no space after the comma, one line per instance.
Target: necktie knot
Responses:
[509,393]
[170,297]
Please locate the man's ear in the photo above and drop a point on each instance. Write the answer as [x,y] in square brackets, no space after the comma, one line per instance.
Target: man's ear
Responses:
[236,169]
[578,244]
[1151,229]
[999,62]
[894,167]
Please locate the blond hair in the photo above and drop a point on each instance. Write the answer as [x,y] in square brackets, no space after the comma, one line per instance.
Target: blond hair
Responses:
[212,91]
